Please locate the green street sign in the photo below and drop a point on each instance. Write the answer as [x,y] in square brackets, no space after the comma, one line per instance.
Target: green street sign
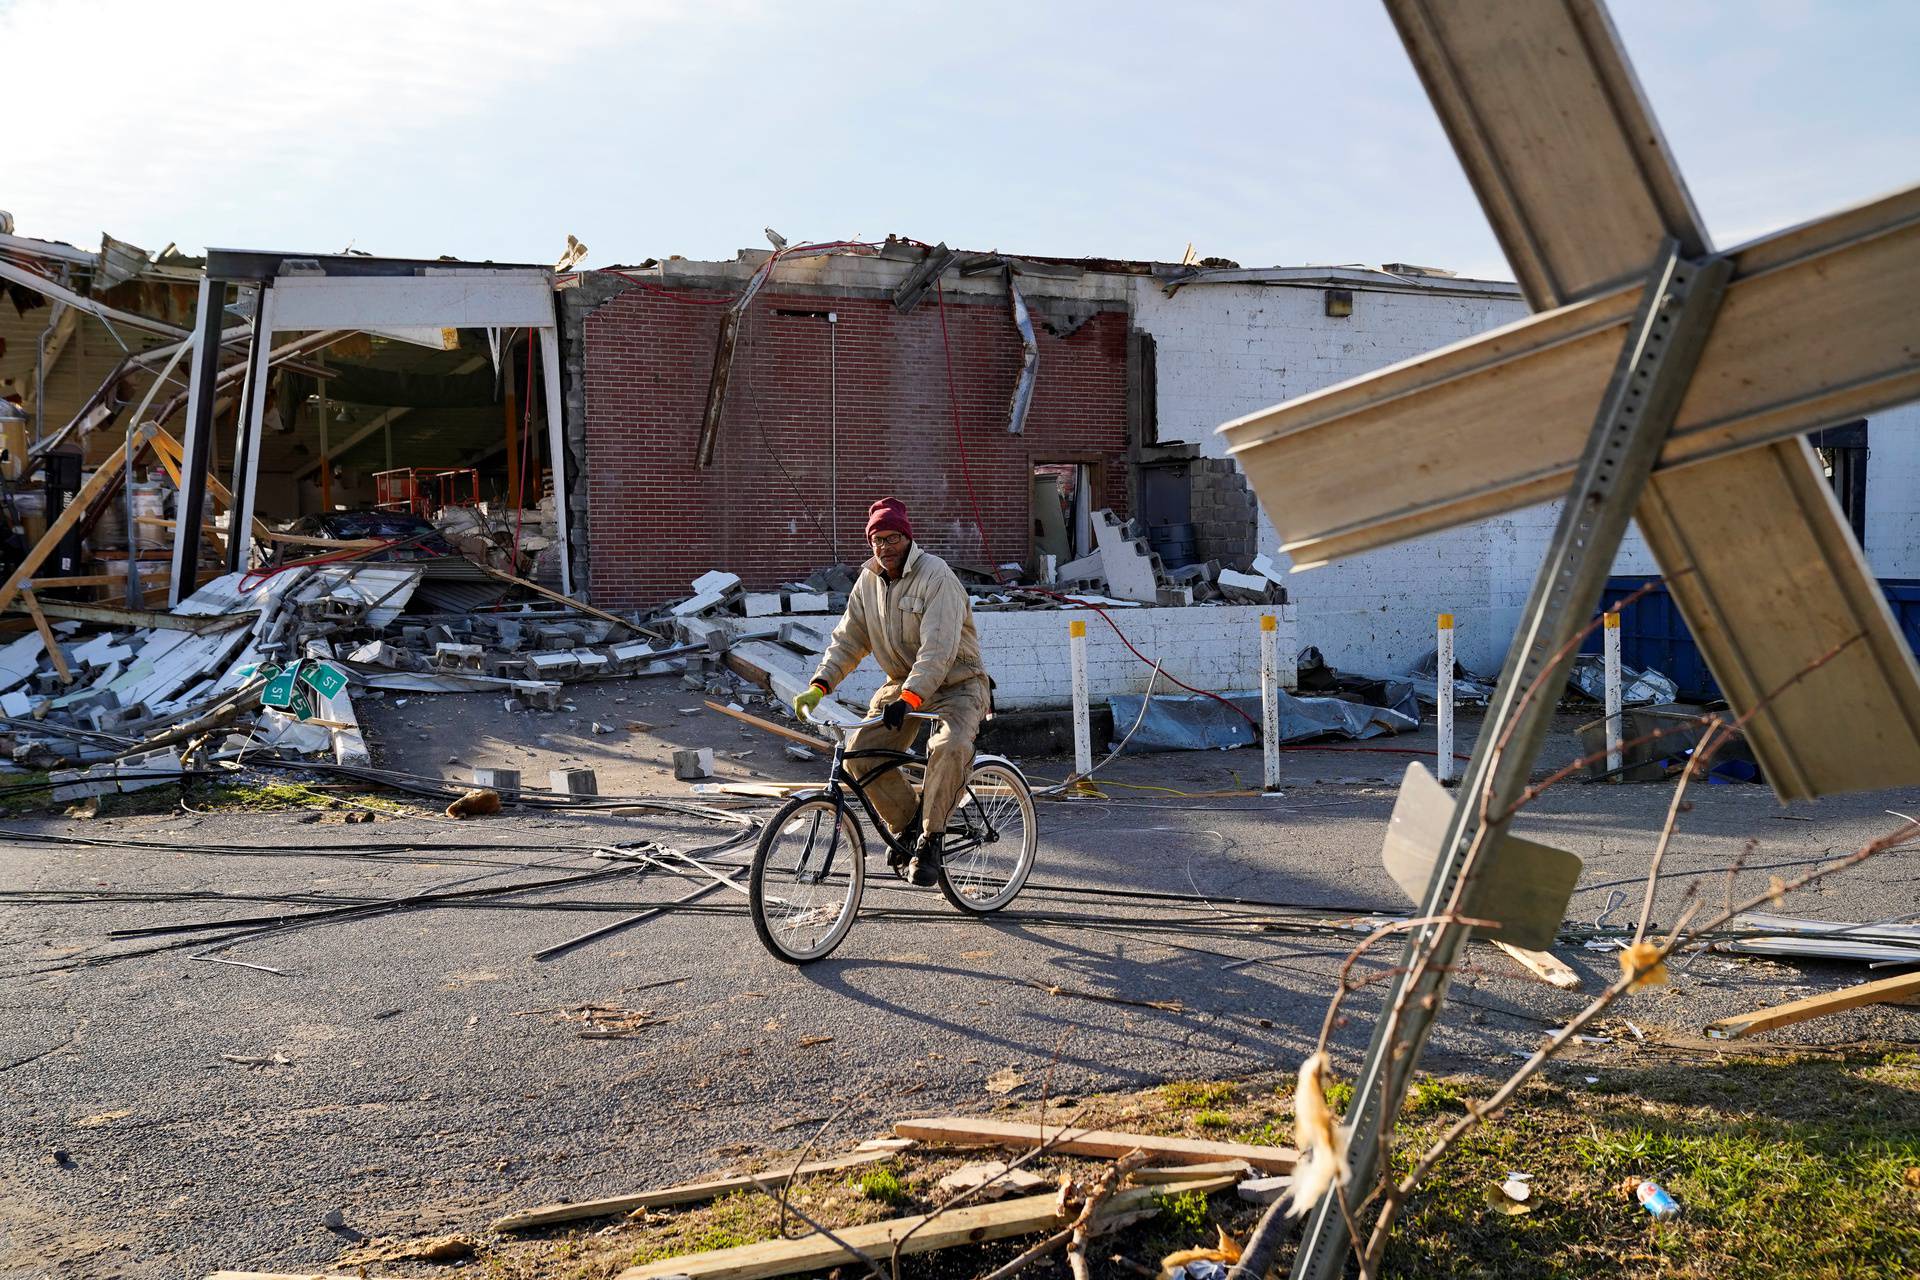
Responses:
[280,690]
[323,678]
[302,707]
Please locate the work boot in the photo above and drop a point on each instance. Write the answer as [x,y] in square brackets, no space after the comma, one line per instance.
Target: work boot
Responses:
[924,870]
[906,840]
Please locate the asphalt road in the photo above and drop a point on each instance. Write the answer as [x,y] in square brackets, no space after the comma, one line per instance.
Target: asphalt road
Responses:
[415,1070]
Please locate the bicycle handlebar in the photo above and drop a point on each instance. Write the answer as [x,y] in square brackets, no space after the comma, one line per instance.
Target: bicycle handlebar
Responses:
[807,715]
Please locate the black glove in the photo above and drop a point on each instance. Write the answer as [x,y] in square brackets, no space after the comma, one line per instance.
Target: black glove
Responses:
[896,713]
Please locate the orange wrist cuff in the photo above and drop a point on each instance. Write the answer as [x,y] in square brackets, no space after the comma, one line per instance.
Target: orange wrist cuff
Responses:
[912,699]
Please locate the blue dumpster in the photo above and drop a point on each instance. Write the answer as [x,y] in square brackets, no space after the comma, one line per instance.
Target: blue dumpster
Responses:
[1653,634]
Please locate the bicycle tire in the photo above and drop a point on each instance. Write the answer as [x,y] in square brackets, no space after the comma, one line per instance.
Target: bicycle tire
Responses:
[995,804]
[784,912]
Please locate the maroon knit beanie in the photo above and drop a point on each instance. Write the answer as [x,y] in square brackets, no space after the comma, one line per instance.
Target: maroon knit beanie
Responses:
[888,513]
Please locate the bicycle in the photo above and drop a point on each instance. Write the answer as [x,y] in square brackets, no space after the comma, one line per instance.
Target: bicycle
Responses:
[809,869]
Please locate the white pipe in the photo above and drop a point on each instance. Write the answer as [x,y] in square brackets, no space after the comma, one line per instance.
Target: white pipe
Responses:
[1611,630]
[1443,699]
[1082,728]
[1269,698]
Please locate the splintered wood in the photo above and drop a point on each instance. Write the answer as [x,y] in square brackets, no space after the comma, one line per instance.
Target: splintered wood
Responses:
[1884,991]
[966,1131]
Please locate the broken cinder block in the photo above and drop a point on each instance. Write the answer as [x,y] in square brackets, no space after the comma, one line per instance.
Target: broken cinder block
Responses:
[504,781]
[574,782]
[693,764]
[458,657]
[538,693]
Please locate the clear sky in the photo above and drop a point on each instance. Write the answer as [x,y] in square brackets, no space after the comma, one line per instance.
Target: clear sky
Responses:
[1285,132]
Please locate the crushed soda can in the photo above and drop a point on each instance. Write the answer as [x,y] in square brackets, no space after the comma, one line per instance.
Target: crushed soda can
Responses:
[1655,1200]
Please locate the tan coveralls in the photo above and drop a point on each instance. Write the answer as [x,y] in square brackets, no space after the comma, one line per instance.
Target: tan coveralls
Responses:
[919,628]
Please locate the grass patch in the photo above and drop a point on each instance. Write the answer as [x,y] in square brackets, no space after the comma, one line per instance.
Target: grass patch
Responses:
[23,800]
[1185,1213]
[1195,1095]
[1783,1168]
[883,1185]
[1426,1097]
[1794,1169]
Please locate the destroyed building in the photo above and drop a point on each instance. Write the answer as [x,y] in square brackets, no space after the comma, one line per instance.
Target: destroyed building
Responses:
[838,392]
[617,434]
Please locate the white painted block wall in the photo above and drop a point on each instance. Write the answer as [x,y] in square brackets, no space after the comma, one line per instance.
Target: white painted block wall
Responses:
[1211,647]
[1893,492]
[1226,350]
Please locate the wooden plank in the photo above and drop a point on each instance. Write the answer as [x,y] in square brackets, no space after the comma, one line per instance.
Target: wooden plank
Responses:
[1882,991]
[171,454]
[684,1193]
[1769,580]
[1541,964]
[1556,137]
[974,1224]
[768,726]
[1154,1175]
[108,472]
[305,540]
[77,580]
[555,596]
[969,1131]
[47,640]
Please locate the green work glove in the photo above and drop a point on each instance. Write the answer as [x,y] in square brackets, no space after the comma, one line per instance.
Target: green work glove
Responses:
[807,700]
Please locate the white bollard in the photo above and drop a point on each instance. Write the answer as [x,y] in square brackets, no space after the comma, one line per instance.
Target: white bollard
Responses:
[1443,699]
[1082,729]
[1610,628]
[1269,697]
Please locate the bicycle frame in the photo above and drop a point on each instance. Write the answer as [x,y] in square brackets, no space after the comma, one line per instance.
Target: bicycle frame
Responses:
[840,780]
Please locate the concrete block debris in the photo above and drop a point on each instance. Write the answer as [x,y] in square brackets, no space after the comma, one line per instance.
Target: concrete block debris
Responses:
[506,782]
[458,657]
[573,782]
[693,764]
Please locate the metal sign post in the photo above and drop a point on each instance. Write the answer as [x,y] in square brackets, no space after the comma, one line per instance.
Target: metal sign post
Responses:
[1676,314]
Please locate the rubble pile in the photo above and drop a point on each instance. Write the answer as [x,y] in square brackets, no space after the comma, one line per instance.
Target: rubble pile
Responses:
[1123,573]
[269,660]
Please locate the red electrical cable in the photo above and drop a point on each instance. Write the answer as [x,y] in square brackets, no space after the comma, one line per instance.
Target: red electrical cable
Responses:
[960,440]
[1088,604]
[651,287]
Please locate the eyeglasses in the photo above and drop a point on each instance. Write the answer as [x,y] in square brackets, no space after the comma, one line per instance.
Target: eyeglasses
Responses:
[887,541]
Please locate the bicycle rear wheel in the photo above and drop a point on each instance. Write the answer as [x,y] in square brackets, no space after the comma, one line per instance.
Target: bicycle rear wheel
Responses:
[990,839]
[807,877]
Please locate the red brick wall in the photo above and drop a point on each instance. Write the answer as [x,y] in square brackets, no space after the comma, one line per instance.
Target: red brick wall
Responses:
[656,522]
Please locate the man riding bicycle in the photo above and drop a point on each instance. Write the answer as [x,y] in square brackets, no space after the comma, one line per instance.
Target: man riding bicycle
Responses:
[910,612]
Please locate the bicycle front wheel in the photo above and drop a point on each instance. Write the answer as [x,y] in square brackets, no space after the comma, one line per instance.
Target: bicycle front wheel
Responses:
[990,839]
[808,873]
